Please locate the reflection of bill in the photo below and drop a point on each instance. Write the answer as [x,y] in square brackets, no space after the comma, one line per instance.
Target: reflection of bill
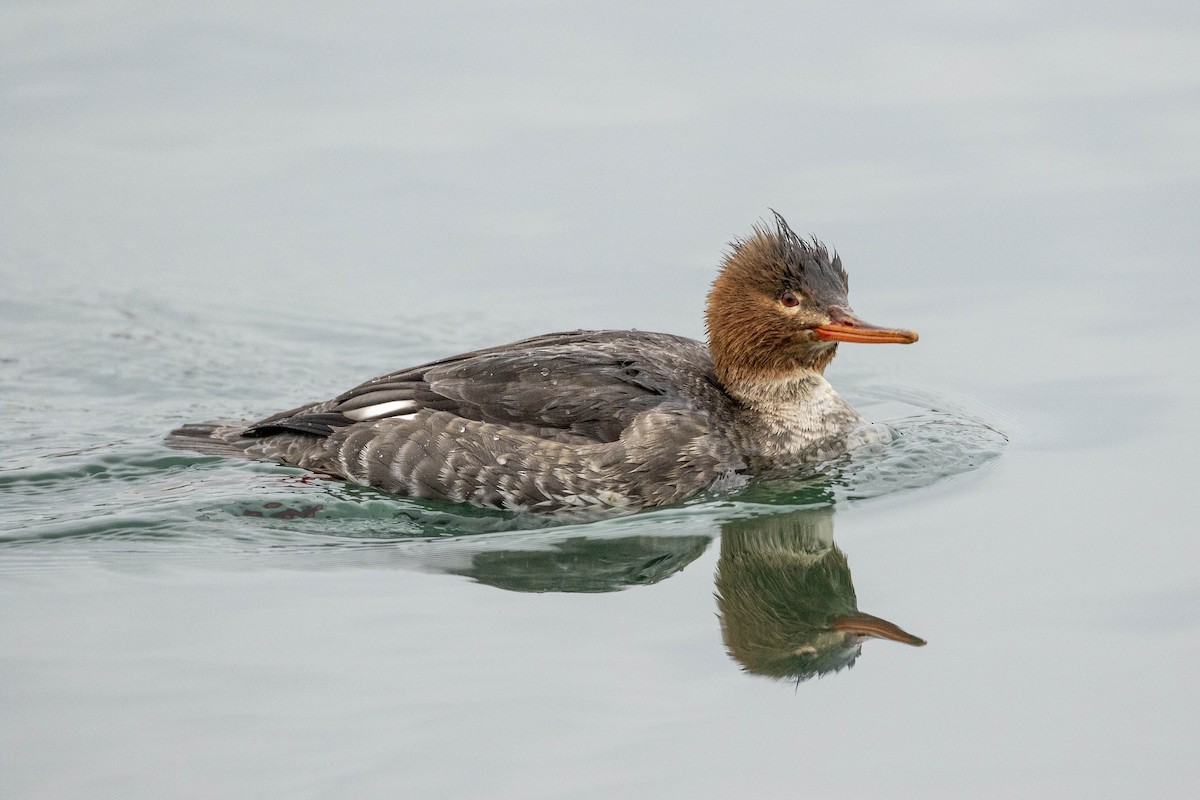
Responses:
[786,600]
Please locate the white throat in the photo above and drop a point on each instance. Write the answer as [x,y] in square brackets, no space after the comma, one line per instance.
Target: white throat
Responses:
[795,413]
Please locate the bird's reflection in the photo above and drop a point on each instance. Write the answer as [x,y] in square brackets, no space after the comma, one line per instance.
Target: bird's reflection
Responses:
[785,598]
[786,601]
[580,564]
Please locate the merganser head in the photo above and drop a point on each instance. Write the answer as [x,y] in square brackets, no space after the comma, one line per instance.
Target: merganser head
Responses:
[778,306]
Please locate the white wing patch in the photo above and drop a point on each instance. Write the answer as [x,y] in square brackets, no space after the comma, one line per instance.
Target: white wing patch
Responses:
[389,409]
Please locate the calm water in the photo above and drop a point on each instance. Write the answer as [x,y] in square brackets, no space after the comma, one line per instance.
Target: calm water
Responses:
[226,212]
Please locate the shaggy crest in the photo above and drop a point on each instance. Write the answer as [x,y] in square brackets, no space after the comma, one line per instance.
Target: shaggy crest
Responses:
[803,265]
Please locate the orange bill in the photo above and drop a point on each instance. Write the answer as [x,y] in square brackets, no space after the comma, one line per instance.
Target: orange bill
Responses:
[867,625]
[849,328]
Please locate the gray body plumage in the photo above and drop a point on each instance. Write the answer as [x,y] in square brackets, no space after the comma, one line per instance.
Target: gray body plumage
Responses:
[616,420]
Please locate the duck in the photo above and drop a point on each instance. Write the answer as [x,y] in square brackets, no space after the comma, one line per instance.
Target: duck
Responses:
[601,420]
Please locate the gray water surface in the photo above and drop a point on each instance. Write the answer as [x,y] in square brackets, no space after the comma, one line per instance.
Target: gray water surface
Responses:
[230,210]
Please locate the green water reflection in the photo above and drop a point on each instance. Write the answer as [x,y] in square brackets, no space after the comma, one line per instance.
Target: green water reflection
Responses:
[785,596]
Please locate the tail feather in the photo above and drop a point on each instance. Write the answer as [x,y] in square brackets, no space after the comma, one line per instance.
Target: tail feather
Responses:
[217,438]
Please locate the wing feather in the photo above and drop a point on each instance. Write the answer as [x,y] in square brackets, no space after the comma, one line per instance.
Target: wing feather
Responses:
[577,386]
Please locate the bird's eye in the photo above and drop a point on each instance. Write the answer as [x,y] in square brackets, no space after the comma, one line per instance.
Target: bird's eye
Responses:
[789,299]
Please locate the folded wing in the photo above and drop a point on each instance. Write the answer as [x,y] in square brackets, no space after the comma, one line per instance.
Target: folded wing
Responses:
[579,387]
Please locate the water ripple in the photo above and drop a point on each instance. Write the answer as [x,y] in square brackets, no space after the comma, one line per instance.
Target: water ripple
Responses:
[124,493]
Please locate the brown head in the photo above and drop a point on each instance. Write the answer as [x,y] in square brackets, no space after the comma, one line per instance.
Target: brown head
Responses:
[779,307]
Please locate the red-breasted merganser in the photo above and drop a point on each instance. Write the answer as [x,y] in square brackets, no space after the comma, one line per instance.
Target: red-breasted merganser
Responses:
[601,420]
